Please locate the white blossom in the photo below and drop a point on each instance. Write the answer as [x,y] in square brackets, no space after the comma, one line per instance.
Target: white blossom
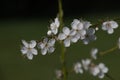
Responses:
[78,68]
[28,49]
[78,27]
[98,70]
[94,52]
[86,63]
[66,36]
[54,27]
[94,70]
[103,70]
[47,46]
[109,26]
[89,36]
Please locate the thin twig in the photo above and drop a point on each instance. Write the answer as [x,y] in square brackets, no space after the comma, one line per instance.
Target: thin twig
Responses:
[108,51]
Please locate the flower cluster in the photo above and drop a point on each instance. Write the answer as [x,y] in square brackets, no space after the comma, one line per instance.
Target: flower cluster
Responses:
[53,29]
[87,65]
[109,26]
[28,49]
[79,30]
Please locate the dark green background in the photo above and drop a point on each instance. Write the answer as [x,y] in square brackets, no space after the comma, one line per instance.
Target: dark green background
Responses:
[13,66]
[29,19]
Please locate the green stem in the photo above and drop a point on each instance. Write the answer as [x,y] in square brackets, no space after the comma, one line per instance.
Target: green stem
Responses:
[64,70]
[105,52]
[109,50]
[60,15]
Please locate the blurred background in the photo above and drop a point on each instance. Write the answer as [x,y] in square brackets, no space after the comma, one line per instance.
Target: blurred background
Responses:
[30,19]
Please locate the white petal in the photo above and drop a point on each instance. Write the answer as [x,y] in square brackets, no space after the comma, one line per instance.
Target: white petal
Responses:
[110,31]
[34,51]
[74,39]
[105,70]
[81,71]
[104,27]
[32,44]
[75,23]
[29,56]
[51,49]
[72,32]
[61,36]
[94,51]
[45,40]
[44,51]
[41,45]
[86,24]
[101,65]
[91,31]
[66,30]
[77,36]
[51,42]
[55,31]
[25,43]
[82,32]
[80,26]
[86,41]
[101,75]
[52,26]
[57,23]
[67,42]
[114,24]
[24,50]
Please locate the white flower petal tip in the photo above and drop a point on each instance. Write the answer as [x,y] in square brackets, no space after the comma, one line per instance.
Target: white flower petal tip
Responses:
[32,43]
[61,36]
[25,43]
[67,43]
[28,49]
[94,52]
[109,26]
[66,30]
